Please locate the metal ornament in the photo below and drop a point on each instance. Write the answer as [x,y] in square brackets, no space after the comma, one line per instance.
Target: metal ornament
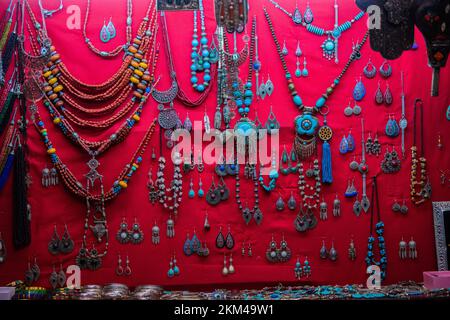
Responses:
[279,205]
[336,207]
[155,234]
[323,210]
[292,203]
[370,70]
[333,252]
[352,251]
[123,235]
[54,243]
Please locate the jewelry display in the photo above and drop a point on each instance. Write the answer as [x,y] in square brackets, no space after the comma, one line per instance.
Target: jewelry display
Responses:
[2,249]
[420,189]
[330,45]
[391,162]
[352,251]
[379,233]
[232,15]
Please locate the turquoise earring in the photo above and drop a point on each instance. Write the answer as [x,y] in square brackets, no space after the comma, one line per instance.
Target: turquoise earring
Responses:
[298,72]
[105,36]
[111,29]
[200,192]
[305,72]
[191,193]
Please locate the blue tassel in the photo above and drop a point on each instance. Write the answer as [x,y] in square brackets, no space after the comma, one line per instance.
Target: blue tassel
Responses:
[327,172]
[6,170]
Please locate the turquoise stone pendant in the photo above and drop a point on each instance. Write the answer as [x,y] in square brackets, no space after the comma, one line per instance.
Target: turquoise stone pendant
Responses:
[329,48]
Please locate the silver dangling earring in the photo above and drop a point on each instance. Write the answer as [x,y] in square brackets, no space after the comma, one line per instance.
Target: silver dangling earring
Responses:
[298,51]
[323,251]
[357,207]
[352,251]
[249,250]
[54,278]
[262,89]
[54,176]
[155,234]
[176,269]
[284,51]
[348,111]
[153,154]
[284,253]
[305,71]
[36,270]
[402,249]
[357,109]
[136,234]
[298,271]
[333,252]
[306,268]
[191,193]
[61,276]
[127,270]
[29,276]
[412,249]
[230,266]
[123,235]
[170,272]
[396,206]
[404,208]
[224,269]
[170,233]
[243,249]
[323,210]
[206,225]
[269,86]
[354,164]
[66,244]
[119,268]
[292,204]
[45,180]
[337,207]
[298,71]
[200,192]
[279,205]
[54,243]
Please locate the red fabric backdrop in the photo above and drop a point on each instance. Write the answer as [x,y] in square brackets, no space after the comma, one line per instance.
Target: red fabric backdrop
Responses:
[150,263]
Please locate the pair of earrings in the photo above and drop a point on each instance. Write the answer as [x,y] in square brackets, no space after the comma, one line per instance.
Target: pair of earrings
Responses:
[266,88]
[278,254]
[325,254]
[230,269]
[33,273]
[347,143]
[289,159]
[391,162]
[108,31]
[359,91]
[370,71]
[373,146]
[135,235]
[174,270]
[223,169]
[408,250]
[194,245]
[351,191]
[307,18]
[291,203]
[249,249]
[225,242]
[301,73]
[63,245]
[396,207]
[355,110]
[200,192]
[218,193]
[386,98]
[300,271]
[49,177]
[392,128]
[58,279]
[120,270]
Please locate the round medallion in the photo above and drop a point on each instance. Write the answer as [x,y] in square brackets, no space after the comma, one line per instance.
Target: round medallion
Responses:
[325,133]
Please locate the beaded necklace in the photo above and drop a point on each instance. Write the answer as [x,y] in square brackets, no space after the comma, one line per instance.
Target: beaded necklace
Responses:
[119,48]
[424,191]
[330,45]
[379,230]
[307,124]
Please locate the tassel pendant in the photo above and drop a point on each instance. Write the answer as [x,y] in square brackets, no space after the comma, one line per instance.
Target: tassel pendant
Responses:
[337,207]
[402,250]
[170,228]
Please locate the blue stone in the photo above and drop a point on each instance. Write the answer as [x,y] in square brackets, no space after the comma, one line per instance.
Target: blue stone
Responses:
[247,110]
[321,102]
[194,43]
[205,53]
[298,73]
[194,55]
[194,80]
[239,102]
[204,40]
[207,78]
[193,67]
[200,88]
[206,65]
[297,100]
[191,194]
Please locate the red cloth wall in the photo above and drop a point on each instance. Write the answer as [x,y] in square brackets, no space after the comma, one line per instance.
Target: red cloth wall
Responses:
[150,263]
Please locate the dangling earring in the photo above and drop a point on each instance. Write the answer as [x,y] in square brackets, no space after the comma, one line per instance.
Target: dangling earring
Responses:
[119,268]
[284,51]
[305,71]
[176,269]
[402,249]
[137,235]
[243,249]
[153,154]
[249,250]
[104,33]
[308,16]
[206,225]
[53,245]
[170,272]
[272,251]
[170,232]
[388,98]
[376,146]
[29,276]
[230,265]
[356,109]
[66,244]
[337,207]
[404,208]
[127,270]
[350,142]
[369,70]
[45,180]
[298,72]
[333,252]
[111,29]
[279,205]
[379,99]
[359,91]
[298,269]
[323,251]
[323,210]
[2,249]
[213,194]
[298,51]
[292,203]
[343,146]
[284,253]
[152,191]
[262,89]
[269,86]
[191,193]
[195,243]
[223,190]
[36,270]
[352,251]
[412,249]
[348,111]
[396,206]
[229,240]
[386,69]
[123,235]
[224,269]
[155,234]
[53,278]
[354,164]
[61,276]
[200,192]
[357,207]
[220,240]
[187,248]
[306,268]
[369,143]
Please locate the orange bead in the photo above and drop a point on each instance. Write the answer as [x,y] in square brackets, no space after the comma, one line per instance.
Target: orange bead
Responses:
[132,49]
[134,63]
[55,71]
[55,57]
[47,88]
[53,96]
[142,86]
[47,74]
[146,77]
[136,117]
[137,95]
[123,184]
[51,151]
[138,56]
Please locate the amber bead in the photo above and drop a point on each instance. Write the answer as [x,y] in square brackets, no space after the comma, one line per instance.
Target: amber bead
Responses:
[56,120]
[51,151]
[53,96]
[138,56]
[134,64]
[142,86]
[132,49]
[52,81]
[55,57]
[47,88]
[143,65]
[146,77]
[55,71]
[58,88]
[136,117]
[138,72]
[47,74]
[137,94]
[134,80]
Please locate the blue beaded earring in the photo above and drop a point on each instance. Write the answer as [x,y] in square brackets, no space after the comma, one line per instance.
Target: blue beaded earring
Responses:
[298,72]
[105,36]
[200,192]
[191,193]
[359,91]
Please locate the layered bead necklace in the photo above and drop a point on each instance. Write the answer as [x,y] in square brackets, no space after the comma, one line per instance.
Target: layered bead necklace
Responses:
[307,124]
[115,52]
[330,45]
[420,189]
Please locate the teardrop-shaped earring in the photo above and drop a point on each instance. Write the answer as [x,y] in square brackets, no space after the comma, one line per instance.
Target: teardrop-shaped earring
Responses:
[292,203]
[187,123]
[111,29]
[323,251]
[262,89]
[176,269]
[272,122]
[206,225]
[343,146]
[279,204]
[350,141]
[269,86]
[305,71]
[359,92]
[336,207]
[170,272]
[333,252]
[200,192]
[298,72]
[195,243]
[224,269]
[53,278]
[284,51]
[229,240]
[388,98]
[369,70]
[230,265]
[54,243]
[298,51]
[357,207]
[61,276]
[191,193]
[308,16]
[187,248]
[220,239]
[379,99]
[386,69]
[104,33]
[404,208]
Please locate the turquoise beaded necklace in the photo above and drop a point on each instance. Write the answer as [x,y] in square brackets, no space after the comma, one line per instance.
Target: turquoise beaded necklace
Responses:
[307,124]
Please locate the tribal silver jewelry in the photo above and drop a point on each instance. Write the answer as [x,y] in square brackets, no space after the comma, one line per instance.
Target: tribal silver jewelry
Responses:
[391,162]
[370,70]
[363,168]
[403,123]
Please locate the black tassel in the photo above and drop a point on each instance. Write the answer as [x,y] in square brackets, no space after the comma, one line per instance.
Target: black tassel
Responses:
[21,219]
[5,113]
[9,51]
